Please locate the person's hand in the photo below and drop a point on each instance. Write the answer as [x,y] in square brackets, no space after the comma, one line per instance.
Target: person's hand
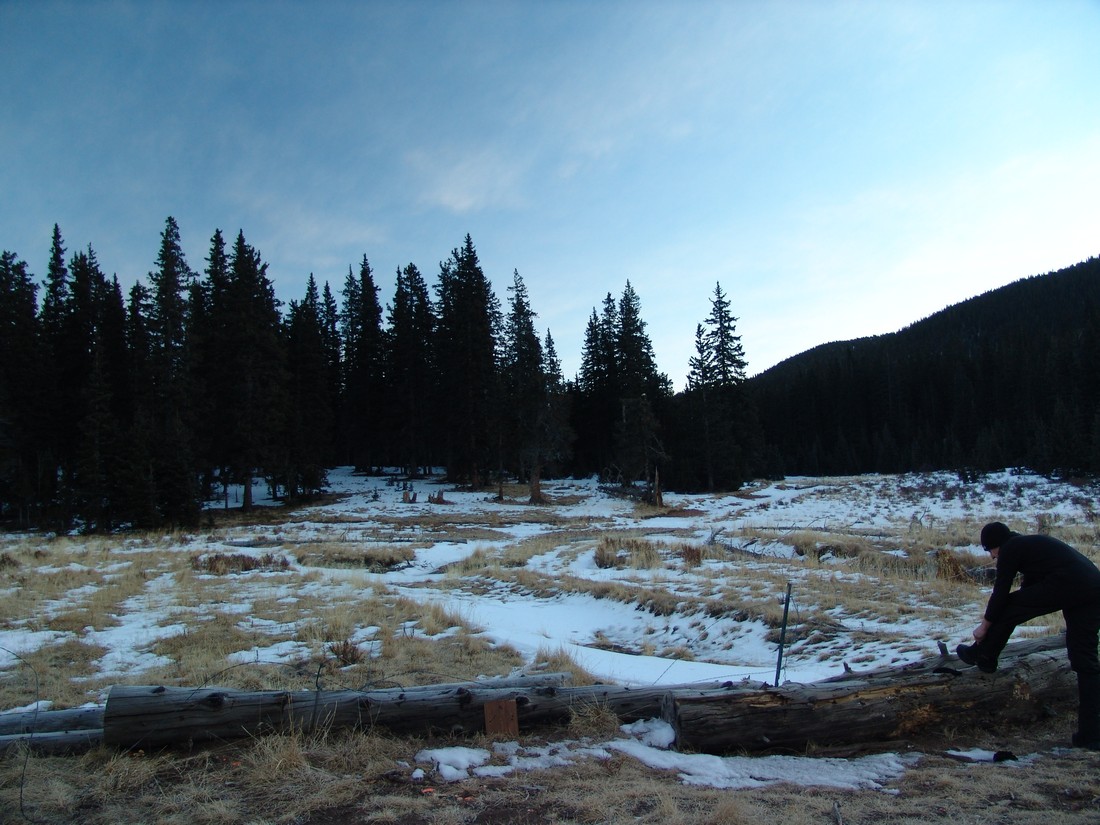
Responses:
[981,630]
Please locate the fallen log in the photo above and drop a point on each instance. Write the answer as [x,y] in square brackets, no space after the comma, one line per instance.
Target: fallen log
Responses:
[153,717]
[884,704]
[76,730]
[852,708]
[52,732]
[158,716]
[51,721]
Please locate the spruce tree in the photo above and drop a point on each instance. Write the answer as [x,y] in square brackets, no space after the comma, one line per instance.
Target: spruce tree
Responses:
[247,369]
[642,391]
[333,372]
[21,399]
[719,426]
[469,319]
[524,387]
[172,415]
[410,368]
[363,363]
[308,418]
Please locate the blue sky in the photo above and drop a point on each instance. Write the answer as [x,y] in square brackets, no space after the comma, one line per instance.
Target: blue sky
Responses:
[842,168]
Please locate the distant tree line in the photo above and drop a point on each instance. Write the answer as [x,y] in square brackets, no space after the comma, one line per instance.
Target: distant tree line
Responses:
[134,409]
[1006,379]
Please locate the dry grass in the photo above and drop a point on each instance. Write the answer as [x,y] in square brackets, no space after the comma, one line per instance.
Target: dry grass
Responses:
[628,551]
[361,778]
[373,558]
[348,631]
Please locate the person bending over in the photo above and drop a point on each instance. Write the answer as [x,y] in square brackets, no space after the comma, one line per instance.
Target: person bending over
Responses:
[1055,577]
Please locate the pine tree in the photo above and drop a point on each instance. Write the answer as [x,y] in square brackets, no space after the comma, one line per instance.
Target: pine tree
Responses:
[637,365]
[247,369]
[21,401]
[138,499]
[95,340]
[333,384]
[554,436]
[524,387]
[363,384]
[56,296]
[172,414]
[723,436]
[597,406]
[642,391]
[469,320]
[410,367]
[724,342]
[309,416]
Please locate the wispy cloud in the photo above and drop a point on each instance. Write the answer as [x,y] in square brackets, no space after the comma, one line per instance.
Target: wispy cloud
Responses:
[468,180]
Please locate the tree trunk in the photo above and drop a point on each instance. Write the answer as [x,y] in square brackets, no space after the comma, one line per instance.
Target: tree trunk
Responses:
[854,708]
[155,716]
[535,485]
[884,704]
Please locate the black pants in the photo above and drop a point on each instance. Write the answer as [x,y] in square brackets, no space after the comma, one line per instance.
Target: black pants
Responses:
[1082,614]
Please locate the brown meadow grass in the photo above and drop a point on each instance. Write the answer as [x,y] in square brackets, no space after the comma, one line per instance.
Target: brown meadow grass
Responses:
[223,591]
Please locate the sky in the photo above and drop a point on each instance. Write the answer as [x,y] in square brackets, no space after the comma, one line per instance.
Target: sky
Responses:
[841,169]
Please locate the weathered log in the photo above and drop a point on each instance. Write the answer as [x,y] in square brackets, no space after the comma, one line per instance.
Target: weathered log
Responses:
[154,717]
[51,721]
[157,716]
[883,704]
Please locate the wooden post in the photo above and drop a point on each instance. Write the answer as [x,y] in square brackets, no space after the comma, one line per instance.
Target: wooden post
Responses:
[502,718]
[783,634]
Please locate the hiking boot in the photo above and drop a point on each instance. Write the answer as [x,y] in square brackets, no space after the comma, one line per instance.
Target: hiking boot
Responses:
[969,655]
[1080,741]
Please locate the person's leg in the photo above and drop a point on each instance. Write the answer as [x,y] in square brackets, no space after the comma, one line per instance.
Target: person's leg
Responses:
[1082,633]
[1022,605]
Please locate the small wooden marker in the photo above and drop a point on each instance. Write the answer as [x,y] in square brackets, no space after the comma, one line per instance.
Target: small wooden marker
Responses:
[502,718]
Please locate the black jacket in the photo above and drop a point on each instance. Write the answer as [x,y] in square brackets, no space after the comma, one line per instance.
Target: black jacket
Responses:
[1069,574]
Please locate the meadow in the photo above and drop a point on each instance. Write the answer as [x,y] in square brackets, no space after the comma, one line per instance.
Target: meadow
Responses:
[375,587]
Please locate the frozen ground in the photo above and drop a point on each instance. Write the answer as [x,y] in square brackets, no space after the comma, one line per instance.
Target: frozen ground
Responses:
[613,640]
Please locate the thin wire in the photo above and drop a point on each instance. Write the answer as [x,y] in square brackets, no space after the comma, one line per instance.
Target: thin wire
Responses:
[34,727]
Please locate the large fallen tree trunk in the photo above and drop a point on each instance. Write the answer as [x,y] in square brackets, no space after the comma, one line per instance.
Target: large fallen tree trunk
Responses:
[79,729]
[883,704]
[153,717]
[852,708]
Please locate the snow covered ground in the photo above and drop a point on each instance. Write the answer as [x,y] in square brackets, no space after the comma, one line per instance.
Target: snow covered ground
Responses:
[754,532]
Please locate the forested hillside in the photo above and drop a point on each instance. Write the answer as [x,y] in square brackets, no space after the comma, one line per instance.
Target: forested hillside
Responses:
[133,410]
[1008,378]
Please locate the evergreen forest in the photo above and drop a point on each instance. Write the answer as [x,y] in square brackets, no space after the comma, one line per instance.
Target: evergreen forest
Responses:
[1010,378]
[136,409]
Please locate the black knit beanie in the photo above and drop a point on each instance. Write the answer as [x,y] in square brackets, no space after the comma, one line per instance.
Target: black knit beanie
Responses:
[995,534]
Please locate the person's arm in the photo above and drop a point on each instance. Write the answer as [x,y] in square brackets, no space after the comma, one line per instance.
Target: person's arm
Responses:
[1007,567]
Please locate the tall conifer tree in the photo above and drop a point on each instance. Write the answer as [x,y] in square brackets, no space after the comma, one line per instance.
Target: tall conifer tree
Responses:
[410,367]
[363,360]
[466,347]
[21,399]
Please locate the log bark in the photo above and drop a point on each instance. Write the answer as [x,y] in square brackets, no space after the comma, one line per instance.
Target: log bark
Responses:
[884,704]
[850,709]
[51,721]
[156,716]
[52,732]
